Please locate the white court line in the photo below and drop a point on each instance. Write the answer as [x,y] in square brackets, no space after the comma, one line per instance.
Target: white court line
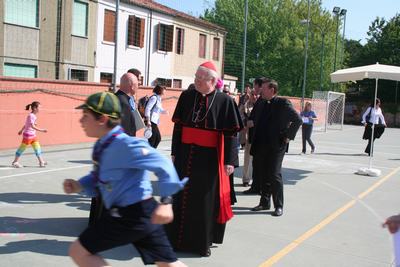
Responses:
[6,168]
[52,170]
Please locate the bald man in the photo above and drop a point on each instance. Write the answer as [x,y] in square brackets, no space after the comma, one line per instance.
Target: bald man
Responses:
[126,95]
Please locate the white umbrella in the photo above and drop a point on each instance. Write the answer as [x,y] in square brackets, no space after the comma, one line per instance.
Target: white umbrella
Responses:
[376,71]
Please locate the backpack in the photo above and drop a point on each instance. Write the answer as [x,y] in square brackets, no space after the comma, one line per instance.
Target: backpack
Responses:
[142,103]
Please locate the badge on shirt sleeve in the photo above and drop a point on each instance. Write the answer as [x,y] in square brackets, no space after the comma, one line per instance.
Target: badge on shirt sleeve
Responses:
[108,187]
[145,151]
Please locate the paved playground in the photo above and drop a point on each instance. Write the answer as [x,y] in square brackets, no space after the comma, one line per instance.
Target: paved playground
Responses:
[332,217]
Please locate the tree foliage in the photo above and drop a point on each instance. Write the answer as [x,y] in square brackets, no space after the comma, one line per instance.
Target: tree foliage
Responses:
[383,46]
[276,41]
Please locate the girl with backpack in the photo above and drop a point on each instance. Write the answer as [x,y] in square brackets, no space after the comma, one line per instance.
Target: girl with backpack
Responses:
[152,114]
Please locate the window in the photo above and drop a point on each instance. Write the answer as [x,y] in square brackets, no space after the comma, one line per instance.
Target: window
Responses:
[216,49]
[202,45]
[136,31]
[180,36]
[78,75]
[177,83]
[165,36]
[106,77]
[109,26]
[164,82]
[22,12]
[18,70]
[80,19]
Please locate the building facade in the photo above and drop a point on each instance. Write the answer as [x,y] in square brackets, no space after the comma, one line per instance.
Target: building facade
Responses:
[75,40]
[52,39]
[164,44]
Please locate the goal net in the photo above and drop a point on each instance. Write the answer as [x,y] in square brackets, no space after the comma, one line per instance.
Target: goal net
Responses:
[329,107]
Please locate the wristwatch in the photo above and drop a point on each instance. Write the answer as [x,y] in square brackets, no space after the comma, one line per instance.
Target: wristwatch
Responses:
[166,200]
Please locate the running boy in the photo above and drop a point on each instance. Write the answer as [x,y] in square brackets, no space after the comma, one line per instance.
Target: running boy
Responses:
[120,176]
[28,132]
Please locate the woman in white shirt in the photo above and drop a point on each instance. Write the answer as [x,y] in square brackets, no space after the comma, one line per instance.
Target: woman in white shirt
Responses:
[152,114]
[373,116]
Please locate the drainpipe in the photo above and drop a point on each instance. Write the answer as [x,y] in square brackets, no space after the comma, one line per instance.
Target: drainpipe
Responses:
[58,40]
[147,64]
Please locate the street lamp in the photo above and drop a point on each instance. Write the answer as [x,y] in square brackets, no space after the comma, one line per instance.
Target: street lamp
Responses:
[336,11]
[322,31]
[343,13]
[303,91]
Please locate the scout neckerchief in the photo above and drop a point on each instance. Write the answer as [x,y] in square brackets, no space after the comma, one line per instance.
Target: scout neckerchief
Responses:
[96,155]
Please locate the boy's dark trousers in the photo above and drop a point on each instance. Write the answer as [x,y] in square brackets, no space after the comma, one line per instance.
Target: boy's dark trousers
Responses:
[96,210]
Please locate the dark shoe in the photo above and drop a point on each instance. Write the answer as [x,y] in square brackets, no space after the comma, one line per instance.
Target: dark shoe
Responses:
[260,207]
[278,212]
[251,191]
[312,151]
[246,184]
[206,253]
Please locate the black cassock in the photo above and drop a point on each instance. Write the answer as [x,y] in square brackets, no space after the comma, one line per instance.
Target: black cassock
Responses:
[196,207]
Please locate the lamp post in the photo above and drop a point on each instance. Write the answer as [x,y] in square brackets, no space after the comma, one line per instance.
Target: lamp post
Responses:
[343,14]
[336,11]
[114,80]
[322,31]
[303,91]
[246,11]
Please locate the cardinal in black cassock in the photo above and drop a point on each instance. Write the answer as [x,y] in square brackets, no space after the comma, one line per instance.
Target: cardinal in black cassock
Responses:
[204,150]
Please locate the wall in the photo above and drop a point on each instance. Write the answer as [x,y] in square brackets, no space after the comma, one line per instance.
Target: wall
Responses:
[58,114]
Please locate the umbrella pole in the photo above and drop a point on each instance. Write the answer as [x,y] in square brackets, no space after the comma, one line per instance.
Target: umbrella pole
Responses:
[373,126]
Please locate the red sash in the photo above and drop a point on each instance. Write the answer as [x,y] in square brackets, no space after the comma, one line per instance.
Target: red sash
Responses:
[215,139]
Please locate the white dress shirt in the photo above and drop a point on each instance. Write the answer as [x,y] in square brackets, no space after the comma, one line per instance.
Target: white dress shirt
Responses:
[376,116]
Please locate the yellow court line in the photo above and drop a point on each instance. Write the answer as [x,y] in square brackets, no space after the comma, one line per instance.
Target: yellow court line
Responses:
[283,252]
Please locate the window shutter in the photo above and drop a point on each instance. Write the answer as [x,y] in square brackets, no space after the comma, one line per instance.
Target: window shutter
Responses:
[169,37]
[182,40]
[131,30]
[158,36]
[141,42]
[216,49]
[202,46]
[109,23]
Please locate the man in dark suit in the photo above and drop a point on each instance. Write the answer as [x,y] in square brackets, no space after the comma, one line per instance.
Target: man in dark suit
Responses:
[277,124]
[253,118]
[127,90]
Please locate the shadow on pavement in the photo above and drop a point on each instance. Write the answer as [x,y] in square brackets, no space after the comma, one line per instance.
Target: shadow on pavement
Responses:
[77,201]
[22,228]
[343,154]
[81,161]
[290,176]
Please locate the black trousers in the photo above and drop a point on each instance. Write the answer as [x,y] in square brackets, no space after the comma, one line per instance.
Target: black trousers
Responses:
[268,168]
[256,180]
[155,138]
[368,148]
[306,130]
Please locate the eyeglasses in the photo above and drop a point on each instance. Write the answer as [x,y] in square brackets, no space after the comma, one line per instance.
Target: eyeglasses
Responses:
[202,78]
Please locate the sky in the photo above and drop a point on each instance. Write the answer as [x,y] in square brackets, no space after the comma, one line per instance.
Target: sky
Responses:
[360,13]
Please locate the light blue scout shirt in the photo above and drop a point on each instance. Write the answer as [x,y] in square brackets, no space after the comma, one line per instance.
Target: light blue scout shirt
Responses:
[124,172]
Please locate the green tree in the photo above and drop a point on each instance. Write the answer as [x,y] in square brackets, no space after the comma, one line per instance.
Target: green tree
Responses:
[276,41]
[383,47]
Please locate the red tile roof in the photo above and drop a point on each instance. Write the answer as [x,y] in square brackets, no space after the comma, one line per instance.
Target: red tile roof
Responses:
[152,5]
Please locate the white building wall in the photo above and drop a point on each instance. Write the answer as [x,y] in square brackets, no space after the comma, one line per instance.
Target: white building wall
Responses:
[159,64]
[128,56]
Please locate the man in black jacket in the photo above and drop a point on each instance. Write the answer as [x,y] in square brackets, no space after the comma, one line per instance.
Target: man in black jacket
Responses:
[127,90]
[277,124]
[254,115]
